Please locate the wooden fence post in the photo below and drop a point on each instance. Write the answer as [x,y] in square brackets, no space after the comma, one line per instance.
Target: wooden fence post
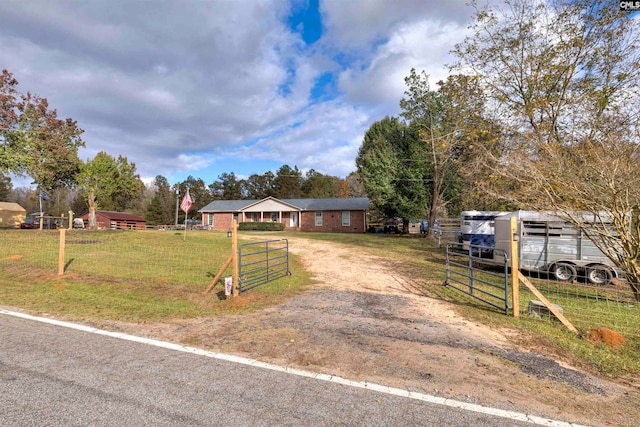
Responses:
[236,266]
[515,276]
[61,252]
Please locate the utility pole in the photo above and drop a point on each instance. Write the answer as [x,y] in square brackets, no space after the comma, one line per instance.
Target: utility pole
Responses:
[177,205]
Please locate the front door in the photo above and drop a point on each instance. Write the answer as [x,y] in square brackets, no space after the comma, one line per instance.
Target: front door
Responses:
[293,221]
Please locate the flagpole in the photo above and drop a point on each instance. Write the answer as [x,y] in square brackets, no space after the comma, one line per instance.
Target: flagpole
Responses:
[186,214]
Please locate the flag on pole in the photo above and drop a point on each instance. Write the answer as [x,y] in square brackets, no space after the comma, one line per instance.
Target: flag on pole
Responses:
[186,203]
[43,195]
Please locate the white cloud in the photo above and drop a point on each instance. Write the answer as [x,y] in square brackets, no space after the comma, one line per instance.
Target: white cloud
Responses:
[326,139]
[358,25]
[178,86]
[422,45]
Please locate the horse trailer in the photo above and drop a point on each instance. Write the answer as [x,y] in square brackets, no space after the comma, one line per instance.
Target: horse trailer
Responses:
[477,228]
[553,246]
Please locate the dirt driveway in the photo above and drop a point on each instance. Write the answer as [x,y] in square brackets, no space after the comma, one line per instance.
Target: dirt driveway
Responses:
[364,321]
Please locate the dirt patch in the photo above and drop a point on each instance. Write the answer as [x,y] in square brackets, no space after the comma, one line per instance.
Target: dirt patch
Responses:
[363,320]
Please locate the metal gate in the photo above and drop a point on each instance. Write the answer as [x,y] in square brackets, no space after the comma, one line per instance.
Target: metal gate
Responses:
[471,269]
[262,262]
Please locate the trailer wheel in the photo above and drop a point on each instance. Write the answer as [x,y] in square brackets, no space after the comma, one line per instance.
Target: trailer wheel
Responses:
[563,272]
[599,275]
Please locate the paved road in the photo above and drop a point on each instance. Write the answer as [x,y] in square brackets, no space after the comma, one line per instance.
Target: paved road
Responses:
[53,376]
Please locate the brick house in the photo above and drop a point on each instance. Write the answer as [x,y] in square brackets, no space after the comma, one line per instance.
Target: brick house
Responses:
[343,215]
[117,220]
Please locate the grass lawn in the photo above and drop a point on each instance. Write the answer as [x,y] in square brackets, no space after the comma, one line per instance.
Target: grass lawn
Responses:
[129,276]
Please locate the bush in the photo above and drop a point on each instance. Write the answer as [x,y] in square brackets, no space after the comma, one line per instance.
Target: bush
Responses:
[261,226]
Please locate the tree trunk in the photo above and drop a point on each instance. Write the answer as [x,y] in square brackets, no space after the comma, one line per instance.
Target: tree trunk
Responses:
[92,210]
[632,271]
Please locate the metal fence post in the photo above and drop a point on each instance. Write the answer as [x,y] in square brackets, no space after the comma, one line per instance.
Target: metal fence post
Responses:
[506,284]
[470,270]
[447,266]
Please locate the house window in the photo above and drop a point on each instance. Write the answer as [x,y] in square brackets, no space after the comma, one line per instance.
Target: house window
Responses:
[210,220]
[318,218]
[235,217]
[274,216]
[255,217]
[346,218]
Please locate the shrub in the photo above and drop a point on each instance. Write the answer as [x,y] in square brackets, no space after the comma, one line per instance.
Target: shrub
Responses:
[261,226]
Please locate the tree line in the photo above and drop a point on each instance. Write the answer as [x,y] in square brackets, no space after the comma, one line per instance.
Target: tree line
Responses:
[112,184]
[286,183]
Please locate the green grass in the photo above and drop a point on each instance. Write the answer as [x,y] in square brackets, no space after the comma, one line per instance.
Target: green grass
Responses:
[154,275]
[129,276]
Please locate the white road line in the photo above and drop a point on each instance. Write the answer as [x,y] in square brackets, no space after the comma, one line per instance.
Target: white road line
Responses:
[323,377]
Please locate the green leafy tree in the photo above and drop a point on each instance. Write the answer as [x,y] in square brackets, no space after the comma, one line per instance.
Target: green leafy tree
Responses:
[161,206]
[319,186]
[259,186]
[441,122]
[391,164]
[5,187]
[228,187]
[287,183]
[378,164]
[109,184]
[562,78]
[34,140]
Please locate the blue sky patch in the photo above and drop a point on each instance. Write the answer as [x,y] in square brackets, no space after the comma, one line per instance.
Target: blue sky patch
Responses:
[307,22]
[324,88]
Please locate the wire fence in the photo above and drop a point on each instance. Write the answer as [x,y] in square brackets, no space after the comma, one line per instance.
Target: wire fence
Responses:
[152,258]
[585,305]
[165,259]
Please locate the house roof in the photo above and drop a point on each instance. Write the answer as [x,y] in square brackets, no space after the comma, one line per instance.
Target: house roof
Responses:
[119,216]
[334,204]
[10,206]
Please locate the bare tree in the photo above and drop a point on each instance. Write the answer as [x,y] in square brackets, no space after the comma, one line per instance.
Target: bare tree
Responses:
[451,127]
[562,76]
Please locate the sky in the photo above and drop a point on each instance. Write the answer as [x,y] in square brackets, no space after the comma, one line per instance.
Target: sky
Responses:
[204,87]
